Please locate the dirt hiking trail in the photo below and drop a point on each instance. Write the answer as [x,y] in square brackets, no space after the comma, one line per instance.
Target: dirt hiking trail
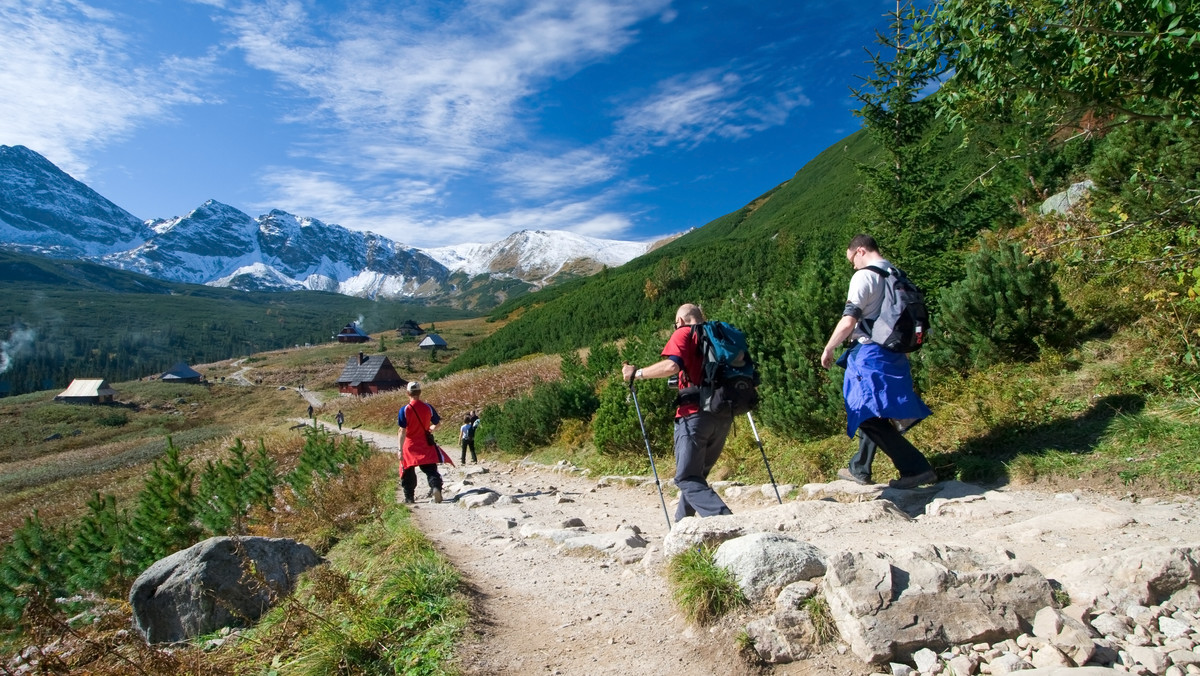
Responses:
[539,607]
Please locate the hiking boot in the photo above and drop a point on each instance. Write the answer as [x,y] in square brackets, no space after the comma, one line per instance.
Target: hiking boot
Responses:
[846,474]
[926,477]
[437,495]
[409,499]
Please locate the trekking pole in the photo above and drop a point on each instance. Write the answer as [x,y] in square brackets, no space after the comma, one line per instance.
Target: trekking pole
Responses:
[764,455]
[653,469]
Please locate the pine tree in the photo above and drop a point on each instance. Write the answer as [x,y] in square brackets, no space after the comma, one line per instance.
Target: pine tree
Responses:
[99,556]
[222,503]
[33,563]
[162,519]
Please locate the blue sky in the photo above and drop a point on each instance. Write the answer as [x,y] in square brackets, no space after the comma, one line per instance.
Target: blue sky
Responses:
[436,122]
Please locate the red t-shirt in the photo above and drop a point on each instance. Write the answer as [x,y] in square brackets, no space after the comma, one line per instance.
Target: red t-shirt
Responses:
[684,351]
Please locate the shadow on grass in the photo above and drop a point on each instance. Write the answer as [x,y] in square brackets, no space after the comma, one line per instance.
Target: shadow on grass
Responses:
[983,459]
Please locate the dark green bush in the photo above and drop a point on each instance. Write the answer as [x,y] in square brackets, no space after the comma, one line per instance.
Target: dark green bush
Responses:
[998,313]
[524,423]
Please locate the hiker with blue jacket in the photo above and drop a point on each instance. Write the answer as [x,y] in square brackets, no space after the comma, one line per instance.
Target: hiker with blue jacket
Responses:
[699,435]
[878,388]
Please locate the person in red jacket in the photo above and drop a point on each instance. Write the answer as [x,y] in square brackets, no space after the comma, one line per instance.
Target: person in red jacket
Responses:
[418,449]
[699,435]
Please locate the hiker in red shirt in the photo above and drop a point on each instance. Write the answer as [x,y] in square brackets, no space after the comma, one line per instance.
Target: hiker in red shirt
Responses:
[419,448]
[699,435]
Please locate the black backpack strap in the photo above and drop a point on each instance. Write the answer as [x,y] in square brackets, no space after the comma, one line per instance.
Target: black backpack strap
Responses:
[877,270]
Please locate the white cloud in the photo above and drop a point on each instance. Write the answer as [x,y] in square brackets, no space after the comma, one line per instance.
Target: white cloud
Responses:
[537,176]
[690,109]
[447,88]
[68,86]
[363,206]
[400,211]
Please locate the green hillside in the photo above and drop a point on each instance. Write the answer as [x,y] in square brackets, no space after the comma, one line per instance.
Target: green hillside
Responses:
[68,319]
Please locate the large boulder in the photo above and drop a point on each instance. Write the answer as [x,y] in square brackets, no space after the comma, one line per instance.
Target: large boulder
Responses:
[220,582]
[888,605]
[1140,576]
[769,561]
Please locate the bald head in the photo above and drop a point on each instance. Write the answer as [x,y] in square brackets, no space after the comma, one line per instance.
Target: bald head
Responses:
[689,314]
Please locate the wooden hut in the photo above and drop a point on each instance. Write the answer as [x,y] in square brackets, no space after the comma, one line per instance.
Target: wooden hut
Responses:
[433,342]
[409,328]
[87,391]
[351,333]
[181,373]
[369,374]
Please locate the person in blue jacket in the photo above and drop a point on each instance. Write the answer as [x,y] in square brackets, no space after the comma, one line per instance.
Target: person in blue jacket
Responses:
[878,388]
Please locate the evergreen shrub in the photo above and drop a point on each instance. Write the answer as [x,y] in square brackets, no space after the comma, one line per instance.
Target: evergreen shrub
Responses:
[524,423]
[999,311]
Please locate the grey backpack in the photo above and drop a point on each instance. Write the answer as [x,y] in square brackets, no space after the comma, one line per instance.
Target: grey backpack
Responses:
[903,321]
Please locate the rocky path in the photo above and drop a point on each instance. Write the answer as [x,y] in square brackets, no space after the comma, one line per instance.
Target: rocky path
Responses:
[566,571]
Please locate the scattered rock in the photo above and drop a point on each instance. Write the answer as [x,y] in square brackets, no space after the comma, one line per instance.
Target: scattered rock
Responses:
[964,665]
[793,595]
[1008,663]
[1151,658]
[1067,200]
[1108,624]
[768,490]
[477,497]
[1077,520]
[619,543]
[841,491]
[556,535]
[924,659]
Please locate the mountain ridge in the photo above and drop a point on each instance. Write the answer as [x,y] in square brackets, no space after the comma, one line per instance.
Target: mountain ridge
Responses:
[45,211]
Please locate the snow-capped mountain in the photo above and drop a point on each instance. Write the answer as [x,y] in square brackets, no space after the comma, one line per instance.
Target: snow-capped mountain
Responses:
[43,209]
[46,211]
[537,256]
[218,245]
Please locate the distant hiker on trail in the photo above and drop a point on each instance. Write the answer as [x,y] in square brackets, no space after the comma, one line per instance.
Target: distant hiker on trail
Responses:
[880,401]
[419,449]
[340,419]
[466,434]
[699,435]
[310,411]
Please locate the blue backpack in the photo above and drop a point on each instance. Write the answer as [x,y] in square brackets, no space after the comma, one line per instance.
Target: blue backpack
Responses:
[731,379]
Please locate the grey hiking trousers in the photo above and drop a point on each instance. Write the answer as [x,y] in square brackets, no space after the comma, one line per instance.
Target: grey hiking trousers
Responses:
[699,440]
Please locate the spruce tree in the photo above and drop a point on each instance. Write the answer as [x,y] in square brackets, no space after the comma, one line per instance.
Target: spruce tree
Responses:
[786,327]
[912,201]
